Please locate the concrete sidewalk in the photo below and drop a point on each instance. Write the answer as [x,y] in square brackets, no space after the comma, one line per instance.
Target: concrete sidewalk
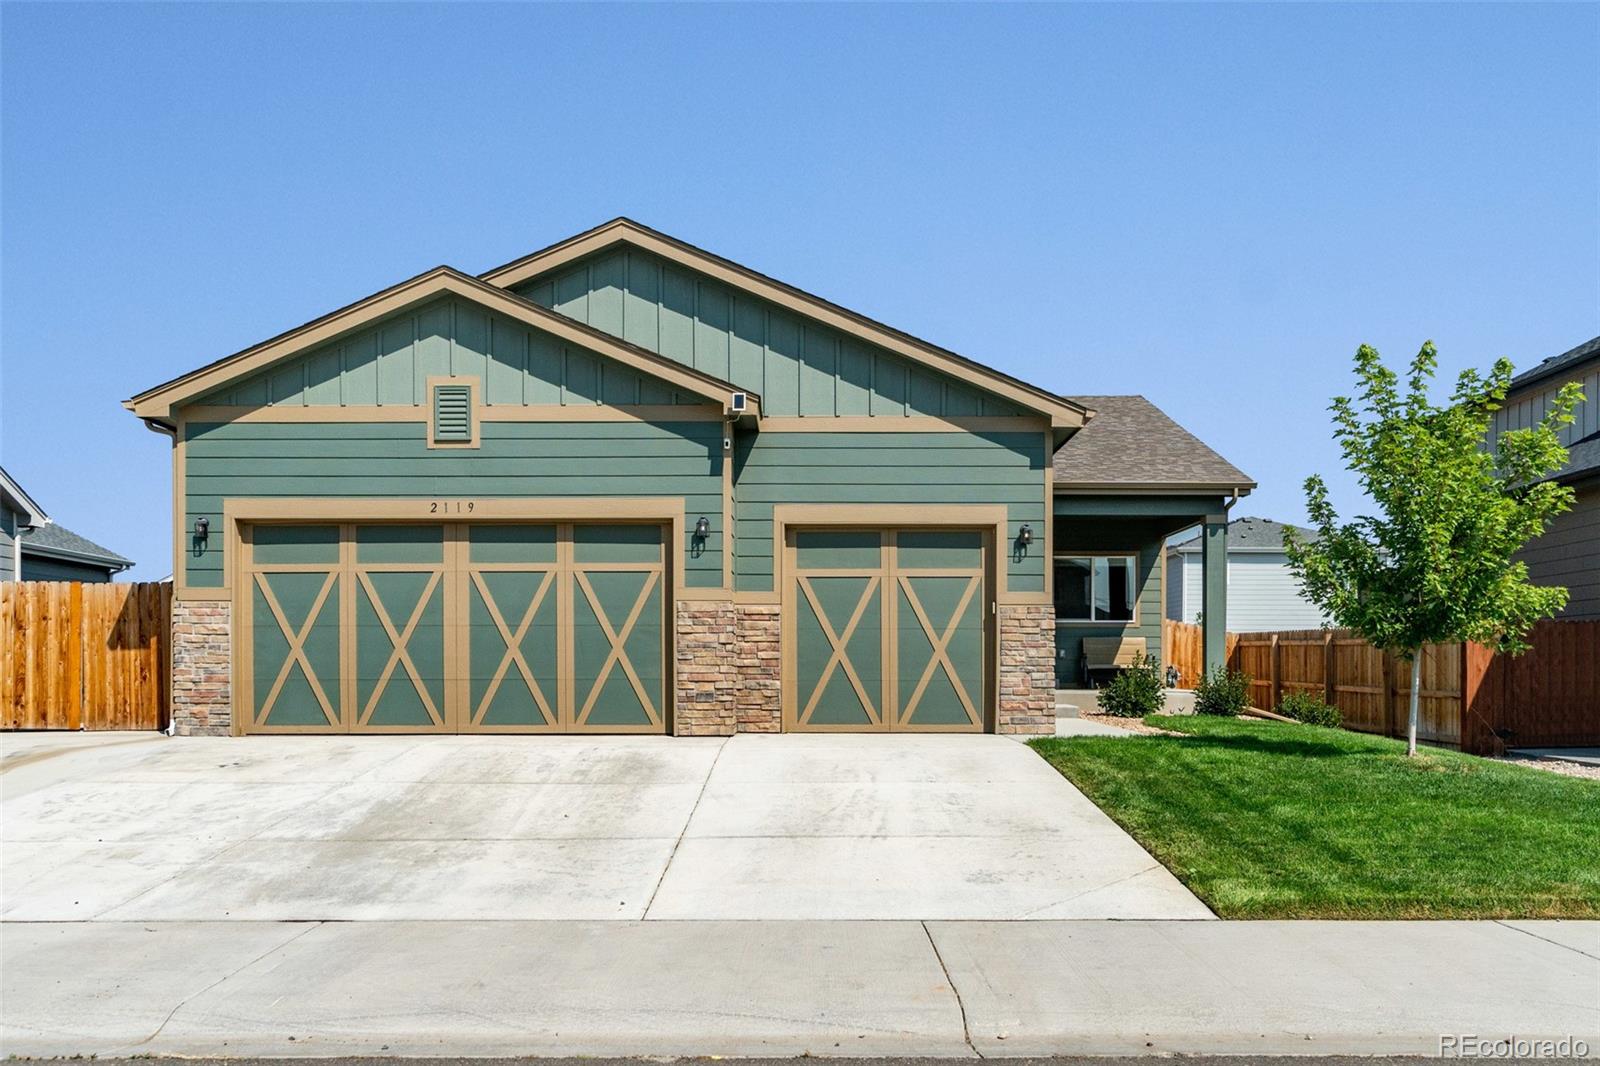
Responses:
[785,988]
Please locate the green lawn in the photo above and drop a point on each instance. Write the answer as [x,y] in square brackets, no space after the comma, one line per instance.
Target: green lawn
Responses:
[1275,820]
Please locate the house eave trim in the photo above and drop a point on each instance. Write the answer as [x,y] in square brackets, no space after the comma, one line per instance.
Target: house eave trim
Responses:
[1063,413]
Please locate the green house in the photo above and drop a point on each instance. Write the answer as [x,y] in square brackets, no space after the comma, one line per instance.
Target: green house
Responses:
[625,485]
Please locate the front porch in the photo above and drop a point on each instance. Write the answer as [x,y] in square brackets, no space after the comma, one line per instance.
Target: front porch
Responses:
[1109,577]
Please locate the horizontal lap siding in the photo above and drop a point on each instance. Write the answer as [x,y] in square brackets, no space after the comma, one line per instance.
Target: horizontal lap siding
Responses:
[885,468]
[798,367]
[1568,554]
[515,460]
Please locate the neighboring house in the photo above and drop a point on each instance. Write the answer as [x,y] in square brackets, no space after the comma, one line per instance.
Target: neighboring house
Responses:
[1569,551]
[1262,592]
[33,547]
[625,485]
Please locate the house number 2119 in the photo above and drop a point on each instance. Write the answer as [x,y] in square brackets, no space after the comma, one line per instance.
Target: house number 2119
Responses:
[450,507]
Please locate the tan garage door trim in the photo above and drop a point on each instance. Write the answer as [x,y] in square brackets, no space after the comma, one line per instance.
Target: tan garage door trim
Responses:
[788,517]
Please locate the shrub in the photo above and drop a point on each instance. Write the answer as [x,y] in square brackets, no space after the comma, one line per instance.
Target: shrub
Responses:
[1304,707]
[1222,692]
[1135,691]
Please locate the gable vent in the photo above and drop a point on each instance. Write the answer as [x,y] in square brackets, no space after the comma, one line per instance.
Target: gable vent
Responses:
[452,414]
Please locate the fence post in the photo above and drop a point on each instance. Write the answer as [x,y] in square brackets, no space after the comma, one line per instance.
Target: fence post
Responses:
[1276,668]
[1329,685]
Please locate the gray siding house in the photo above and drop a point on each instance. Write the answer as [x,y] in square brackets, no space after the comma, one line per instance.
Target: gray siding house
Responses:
[1262,592]
[1569,551]
[625,485]
[34,547]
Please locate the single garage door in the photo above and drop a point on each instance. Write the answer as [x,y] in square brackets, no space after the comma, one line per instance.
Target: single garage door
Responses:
[547,628]
[887,630]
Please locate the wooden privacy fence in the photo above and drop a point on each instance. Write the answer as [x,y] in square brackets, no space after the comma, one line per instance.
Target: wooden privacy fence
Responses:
[1470,696]
[84,656]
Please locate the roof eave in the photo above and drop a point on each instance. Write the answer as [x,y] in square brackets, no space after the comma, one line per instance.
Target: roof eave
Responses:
[113,563]
[159,402]
[1064,414]
[1174,488]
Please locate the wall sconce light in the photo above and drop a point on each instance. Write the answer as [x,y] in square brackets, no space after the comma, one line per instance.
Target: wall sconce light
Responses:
[702,528]
[202,529]
[1025,535]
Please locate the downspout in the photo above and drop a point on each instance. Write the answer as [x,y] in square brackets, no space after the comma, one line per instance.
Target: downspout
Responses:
[157,426]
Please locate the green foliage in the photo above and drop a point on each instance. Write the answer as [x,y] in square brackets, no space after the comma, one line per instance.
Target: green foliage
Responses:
[1435,564]
[1136,691]
[1222,692]
[1304,707]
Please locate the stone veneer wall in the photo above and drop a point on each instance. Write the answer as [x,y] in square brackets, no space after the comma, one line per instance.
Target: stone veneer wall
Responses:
[202,682]
[706,677]
[758,659]
[1027,669]
[727,668]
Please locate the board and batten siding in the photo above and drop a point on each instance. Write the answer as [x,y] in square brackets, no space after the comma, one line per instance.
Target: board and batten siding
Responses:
[390,363]
[1100,536]
[367,460]
[987,467]
[797,366]
[1262,593]
[1527,409]
[1568,553]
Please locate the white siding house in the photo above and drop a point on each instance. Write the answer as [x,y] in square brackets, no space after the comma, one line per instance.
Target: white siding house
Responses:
[1262,593]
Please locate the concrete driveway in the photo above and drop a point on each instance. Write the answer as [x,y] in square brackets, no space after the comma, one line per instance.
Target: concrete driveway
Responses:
[117,828]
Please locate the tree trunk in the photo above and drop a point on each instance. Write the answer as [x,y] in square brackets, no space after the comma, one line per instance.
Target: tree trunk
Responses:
[1416,692]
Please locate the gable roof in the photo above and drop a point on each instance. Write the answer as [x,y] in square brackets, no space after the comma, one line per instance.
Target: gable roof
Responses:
[1064,412]
[1568,360]
[1132,444]
[56,541]
[158,403]
[19,501]
[1249,534]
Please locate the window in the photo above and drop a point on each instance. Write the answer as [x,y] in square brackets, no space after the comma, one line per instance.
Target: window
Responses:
[1096,588]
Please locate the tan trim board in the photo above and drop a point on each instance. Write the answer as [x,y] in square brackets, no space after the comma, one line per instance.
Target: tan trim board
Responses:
[1063,412]
[487,412]
[160,401]
[1175,488]
[474,412]
[903,424]
[1049,545]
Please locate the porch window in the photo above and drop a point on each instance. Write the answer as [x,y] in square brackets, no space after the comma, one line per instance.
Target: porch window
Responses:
[1096,588]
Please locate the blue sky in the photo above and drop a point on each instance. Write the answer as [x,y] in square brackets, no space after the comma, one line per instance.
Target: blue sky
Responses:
[1211,205]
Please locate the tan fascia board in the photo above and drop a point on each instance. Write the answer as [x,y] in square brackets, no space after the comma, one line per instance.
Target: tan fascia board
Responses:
[1063,413]
[158,403]
[1181,488]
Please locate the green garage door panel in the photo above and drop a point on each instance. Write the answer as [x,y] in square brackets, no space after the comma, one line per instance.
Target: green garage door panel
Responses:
[515,459]
[513,607]
[939,631]
[294,629]
[400,627]
[617,633]
[888,468]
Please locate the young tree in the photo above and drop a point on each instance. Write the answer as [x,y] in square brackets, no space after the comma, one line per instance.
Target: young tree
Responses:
[1435,564]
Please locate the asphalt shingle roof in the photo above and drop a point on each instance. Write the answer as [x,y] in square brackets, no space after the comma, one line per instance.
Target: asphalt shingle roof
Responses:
[1131,442]
[1250,532]
[1557,363]
[55,536]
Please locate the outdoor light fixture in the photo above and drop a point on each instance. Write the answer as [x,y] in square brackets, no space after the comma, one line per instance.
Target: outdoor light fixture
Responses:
[1025,534]
[702,527]
[202,528]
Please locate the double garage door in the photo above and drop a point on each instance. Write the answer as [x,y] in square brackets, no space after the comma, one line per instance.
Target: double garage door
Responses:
[453,628]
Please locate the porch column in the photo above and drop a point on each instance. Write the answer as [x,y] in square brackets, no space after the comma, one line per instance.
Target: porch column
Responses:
[1214,590]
